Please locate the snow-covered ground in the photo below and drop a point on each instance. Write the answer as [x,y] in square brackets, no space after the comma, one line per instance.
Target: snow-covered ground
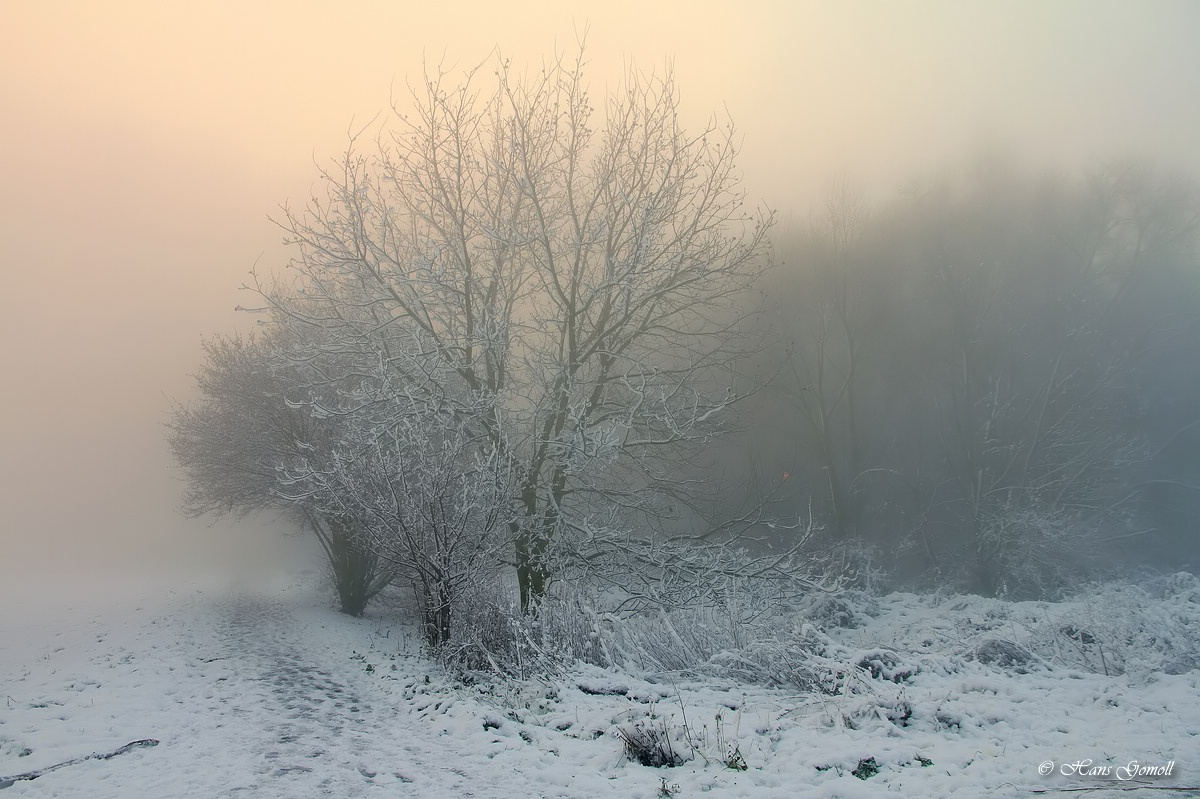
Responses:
[266,691]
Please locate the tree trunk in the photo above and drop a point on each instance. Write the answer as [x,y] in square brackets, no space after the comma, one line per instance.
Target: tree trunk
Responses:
[532,574]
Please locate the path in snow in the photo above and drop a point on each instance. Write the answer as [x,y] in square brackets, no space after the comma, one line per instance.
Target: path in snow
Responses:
[314,733]
[249,695]
[318,729]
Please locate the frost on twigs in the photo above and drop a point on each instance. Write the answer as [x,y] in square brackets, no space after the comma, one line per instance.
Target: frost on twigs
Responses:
[564,288]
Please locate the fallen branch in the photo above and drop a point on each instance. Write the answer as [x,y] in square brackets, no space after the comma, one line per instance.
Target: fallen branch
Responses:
[7,782]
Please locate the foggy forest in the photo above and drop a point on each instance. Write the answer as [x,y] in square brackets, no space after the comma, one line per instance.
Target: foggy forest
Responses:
[548,454]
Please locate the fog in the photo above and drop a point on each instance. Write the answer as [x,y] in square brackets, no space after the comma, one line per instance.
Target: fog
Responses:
[145,144]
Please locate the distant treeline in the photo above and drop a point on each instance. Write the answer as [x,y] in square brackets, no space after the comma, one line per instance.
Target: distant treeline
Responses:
[992,379]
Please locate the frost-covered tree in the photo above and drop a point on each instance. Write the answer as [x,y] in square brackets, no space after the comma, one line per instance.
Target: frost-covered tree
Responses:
[234,441]
[429,501]
[561,282]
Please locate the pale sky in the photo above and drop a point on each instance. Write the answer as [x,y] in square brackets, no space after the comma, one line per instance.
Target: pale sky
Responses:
[143,144]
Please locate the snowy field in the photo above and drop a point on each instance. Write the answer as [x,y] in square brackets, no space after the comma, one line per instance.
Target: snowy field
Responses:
[265,691]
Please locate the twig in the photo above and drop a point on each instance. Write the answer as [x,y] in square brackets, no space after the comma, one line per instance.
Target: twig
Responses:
[687,727]
[7,782]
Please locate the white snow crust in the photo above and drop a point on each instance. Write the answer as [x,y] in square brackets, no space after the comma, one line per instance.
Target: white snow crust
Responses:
[266,691]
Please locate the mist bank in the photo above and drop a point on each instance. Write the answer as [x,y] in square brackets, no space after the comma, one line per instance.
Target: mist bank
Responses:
[990,380]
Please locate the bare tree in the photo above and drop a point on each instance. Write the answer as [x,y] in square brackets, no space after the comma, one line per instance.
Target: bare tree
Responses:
[575,282]
[235,440]
[432,503]
[827,310]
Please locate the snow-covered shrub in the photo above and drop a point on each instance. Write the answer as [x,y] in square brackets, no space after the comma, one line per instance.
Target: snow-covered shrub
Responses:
[1119,628]
[1033,553]
[1112,628]
[675,641]
[1002,654]
[845,610]
[886,664]
[779,650]
[741,631]
[492,634]
[774,649]
[798,659]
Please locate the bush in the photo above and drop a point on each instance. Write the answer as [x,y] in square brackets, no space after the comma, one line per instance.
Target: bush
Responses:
[492,634]
[1002,654]
[1034,554]
[845,610]
[1122,628]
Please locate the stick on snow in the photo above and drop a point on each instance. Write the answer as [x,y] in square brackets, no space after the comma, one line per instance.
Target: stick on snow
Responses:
[7,782]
